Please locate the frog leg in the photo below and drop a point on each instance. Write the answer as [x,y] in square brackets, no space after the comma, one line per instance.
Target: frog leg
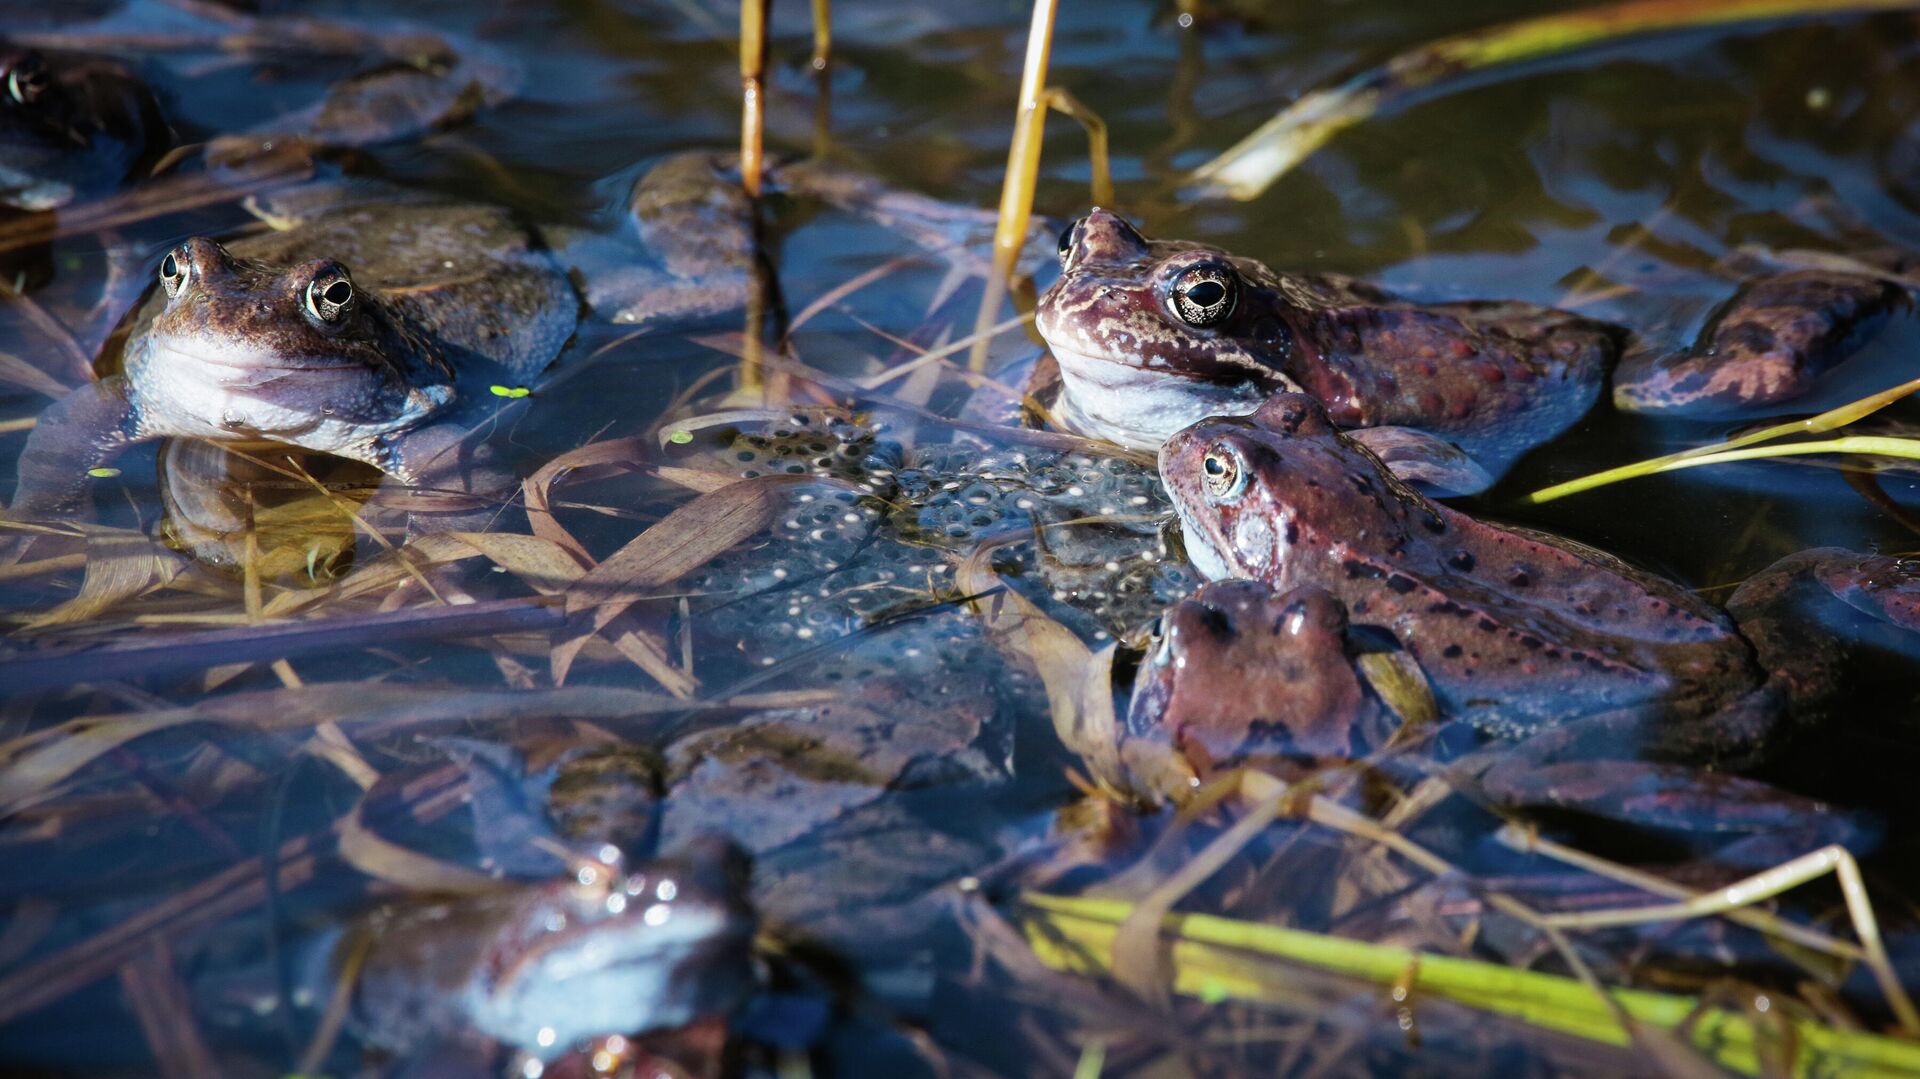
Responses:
[1764,346]
[1649,768]
[1438,467]
[81,432]
[455,484]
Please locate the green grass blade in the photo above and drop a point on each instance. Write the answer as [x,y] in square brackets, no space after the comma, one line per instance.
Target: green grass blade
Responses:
[1219,959]
[1867,445]
[1255,162]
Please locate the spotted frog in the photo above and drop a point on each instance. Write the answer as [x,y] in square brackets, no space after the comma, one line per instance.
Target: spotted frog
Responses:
[1515,630]
[1152,335]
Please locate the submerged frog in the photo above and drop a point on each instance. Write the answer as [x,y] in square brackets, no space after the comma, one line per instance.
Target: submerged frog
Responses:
[71,124]
[371,332]
[1152,335]
[1239,671]
[541,967]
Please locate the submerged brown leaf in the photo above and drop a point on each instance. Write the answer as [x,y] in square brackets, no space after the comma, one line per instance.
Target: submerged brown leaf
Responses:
[385,860]
[1079,683]
[679,543]
[120,565]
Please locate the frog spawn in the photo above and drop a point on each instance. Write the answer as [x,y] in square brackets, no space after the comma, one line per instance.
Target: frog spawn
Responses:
[844,559]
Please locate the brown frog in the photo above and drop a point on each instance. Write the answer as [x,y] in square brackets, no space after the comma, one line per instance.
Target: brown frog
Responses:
[1765,345]
[371,331]
[1239,671]
[71,124]
[1152,335]
[1514,629]
[540,967]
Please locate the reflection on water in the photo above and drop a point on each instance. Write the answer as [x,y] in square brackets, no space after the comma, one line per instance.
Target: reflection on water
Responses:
[797,661]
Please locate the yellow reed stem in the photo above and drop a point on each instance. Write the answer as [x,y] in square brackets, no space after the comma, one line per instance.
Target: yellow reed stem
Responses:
[822,34]
[753,70]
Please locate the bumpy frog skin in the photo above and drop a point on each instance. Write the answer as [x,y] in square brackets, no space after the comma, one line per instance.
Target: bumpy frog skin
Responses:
[1514,629]
[1764,346]
[543,967]
[355,334]
[1152,335]
[70,125]
[1239,670]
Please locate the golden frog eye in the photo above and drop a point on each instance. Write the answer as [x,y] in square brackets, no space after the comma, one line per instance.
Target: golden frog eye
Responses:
[330,296]
[1222,473]
[1204,296]
[175,271]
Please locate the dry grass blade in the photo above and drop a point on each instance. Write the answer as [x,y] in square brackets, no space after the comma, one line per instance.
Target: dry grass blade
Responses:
[679,543]
[1251,165]
[286,165]
[1078,683]
[267,641]
[19,372]
[384,860]
[120,565]
[1833,859]
[546,567]
[625,454]
[164,1008]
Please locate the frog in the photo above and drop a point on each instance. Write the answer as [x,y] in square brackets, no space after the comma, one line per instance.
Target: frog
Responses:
[1515,629]
[72,124]
[1768,344]
[541,966]
[1152,335]
[1524,636]
[682,241]
[372,331]
[1238,671]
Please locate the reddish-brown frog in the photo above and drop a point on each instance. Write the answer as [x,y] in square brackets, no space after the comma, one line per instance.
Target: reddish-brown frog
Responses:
[1515,631]
[1152,335]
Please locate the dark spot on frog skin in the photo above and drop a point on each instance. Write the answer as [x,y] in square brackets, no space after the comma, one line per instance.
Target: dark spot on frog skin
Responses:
[1452,651]
[1401,584]
[1356,569]
[1520,577]
[1461,560]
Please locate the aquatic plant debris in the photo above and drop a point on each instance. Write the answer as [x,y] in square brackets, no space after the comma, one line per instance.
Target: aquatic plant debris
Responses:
[1252,165]
[1227,959]
[1732,448]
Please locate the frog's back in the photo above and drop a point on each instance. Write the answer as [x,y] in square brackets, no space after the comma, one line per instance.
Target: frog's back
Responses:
[469,276]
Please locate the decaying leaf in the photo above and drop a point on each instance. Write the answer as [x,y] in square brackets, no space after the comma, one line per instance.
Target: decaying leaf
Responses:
[679,543]
[120,565]
[1078,682]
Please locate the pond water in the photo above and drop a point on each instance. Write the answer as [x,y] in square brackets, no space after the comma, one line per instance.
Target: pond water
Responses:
[836,672]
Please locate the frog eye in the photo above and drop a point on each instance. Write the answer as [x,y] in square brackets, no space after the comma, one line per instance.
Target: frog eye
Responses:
[27,79]
[1204,296]
[330,297]
[1066,243]
[175,271]
[1222,473]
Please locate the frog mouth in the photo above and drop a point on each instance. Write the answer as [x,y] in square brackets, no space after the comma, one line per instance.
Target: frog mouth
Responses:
[1139,408]
[168,355]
